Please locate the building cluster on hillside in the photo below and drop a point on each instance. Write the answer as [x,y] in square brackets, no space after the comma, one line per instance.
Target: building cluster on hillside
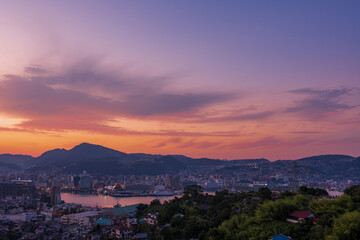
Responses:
[241,177]
[27,212]
[31,205]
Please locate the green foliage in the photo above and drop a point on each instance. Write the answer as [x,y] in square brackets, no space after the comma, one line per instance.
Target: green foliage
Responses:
[286,194]
[218,197]
[317,192]
[244,227]
[166,233]
[141,210]
[178,222]
[354,193]
[155,202]
[194,226]
[167,211]
[328,209]
[346,227]
[251,215]
[269,220]
[264,193]
[281,208]
[193,192]
[219,212]
[215,234]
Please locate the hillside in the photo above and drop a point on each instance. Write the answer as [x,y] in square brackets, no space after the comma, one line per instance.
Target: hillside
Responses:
[98,159]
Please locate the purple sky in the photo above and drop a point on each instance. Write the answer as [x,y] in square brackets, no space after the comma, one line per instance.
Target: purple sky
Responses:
[276,79]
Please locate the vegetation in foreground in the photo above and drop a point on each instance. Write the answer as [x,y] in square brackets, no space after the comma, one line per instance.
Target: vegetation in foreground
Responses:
[254,215]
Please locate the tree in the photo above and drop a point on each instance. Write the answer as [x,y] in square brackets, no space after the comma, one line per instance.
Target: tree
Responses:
[219,213]
[155,202]
[166,233]
[141,210]
[328,209]
[346,227]
[317,192]
[218,197]
[354,193]
[264,193]
[167,211]
[195,226]
[193,191]
[281,208]
[215,234]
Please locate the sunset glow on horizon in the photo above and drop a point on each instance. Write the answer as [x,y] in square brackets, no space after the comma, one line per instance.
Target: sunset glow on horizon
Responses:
[202,79]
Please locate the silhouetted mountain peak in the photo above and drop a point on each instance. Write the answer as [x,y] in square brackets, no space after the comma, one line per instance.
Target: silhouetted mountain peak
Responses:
[86,145]
[98,150]
[83,151]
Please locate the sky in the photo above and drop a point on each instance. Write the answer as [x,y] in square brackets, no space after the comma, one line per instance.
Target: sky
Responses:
[220,79]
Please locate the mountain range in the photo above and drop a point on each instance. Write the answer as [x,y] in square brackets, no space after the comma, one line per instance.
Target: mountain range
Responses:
[97,159]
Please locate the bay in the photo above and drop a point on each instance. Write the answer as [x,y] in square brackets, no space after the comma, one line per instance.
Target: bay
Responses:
[103,201]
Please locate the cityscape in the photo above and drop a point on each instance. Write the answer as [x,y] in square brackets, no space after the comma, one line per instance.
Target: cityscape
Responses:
[179,120]
[53,203]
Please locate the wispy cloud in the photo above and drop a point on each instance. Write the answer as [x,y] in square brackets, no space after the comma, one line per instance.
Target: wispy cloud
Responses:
[227,115]
[188,143]
[305,132]
[84,96]
[261,115]
[35,70]
[319,103]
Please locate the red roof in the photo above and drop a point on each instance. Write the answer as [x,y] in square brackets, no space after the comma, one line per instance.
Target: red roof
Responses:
[300,214]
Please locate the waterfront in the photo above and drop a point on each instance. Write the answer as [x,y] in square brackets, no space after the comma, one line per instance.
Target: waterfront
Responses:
[93,200]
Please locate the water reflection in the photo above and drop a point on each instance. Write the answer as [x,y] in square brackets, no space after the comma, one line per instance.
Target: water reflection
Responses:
[92,200]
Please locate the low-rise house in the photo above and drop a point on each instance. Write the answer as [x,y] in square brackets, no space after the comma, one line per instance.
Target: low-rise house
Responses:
[78,218]
[297,216]
[151,218]
[121,232]
[131,222]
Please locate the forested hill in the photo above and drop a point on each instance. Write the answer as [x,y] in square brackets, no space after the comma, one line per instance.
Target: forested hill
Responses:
[254,215]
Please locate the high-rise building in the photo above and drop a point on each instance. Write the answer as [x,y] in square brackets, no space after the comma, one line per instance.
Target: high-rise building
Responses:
[85,181]
[55,195]
[18,188]
[77,181]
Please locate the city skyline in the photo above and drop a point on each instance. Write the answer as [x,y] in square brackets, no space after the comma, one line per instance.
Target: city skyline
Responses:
[232,80]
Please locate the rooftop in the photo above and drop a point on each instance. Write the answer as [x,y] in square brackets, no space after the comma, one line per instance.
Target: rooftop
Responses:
[124,210]
[280,237]
[300,214]
[103,221]
[86,214]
